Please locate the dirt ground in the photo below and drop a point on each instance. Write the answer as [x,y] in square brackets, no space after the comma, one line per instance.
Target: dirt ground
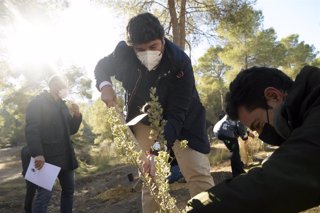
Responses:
[109,191]
[10,166]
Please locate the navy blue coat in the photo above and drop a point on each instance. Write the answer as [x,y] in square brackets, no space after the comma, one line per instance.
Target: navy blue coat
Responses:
[175,86]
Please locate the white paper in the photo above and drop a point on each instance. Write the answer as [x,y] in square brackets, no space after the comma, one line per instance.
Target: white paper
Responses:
[135,120]
[44,177]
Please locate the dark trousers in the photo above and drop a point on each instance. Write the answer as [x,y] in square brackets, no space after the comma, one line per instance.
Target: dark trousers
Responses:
[41,202]
[28,199]
[233,146]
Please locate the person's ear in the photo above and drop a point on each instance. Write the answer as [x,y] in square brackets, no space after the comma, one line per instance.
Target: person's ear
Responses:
[274,95]
[163,42]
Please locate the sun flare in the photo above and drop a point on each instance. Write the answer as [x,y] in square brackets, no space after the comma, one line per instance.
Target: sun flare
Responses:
[78,35]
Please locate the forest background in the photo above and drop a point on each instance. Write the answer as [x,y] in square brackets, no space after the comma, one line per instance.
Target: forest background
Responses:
[43,37]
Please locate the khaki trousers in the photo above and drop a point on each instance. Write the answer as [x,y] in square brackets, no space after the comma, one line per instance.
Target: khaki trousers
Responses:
[194,166]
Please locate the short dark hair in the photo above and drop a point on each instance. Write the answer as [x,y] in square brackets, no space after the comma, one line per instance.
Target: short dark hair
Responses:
[143,28]
[247,89]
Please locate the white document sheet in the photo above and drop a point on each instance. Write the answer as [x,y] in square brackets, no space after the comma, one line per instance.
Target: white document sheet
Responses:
[44,177]
[135,120]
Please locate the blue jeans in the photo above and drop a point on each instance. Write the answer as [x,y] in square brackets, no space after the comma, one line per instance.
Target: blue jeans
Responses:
[41,202]
[28,199]
[175,174]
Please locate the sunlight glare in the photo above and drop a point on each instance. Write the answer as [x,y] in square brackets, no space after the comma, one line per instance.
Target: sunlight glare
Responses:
[81,35]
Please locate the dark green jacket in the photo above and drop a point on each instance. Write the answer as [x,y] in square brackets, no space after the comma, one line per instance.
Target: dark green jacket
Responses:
[48,129]
[290,180]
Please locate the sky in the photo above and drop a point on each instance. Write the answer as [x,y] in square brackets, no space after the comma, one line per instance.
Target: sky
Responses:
[81,39]
[293,17]
[287,17]
[85,32]
[73,38]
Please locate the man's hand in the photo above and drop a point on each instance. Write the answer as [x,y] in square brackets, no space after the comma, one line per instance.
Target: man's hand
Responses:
[39,162]
[149,165]
[75,109]
[108,96]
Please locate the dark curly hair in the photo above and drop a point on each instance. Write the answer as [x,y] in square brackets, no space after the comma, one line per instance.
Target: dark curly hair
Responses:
[143,28]
[247,89]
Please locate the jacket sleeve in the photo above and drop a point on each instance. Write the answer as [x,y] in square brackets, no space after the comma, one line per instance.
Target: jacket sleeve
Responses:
[113,65]
[33,128]
[25,159]
[75,123]
[288,182]
[179,101]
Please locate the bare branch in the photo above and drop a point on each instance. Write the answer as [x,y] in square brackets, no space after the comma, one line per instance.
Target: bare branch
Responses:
[164,7]
[189,47]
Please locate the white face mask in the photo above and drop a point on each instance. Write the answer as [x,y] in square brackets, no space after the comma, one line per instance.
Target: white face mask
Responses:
[150,58]
[63,93]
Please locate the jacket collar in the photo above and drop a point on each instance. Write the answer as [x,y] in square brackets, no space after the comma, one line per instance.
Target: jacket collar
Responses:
[301,96]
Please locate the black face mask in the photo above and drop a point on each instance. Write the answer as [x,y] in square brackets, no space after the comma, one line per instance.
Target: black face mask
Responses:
[270,136]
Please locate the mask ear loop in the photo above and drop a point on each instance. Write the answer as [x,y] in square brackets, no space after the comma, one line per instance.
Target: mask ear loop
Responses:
[163,43]
[268,116]
[267,108]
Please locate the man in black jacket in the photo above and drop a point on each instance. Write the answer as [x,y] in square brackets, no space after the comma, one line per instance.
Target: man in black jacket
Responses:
[228,131]
[284,113]
[49,125]
[148,60]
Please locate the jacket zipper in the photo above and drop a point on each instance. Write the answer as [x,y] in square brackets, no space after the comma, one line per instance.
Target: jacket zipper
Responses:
[138,81]
[165,75]
[135,88]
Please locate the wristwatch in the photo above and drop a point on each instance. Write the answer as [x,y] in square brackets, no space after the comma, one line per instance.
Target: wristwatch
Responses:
[155,148]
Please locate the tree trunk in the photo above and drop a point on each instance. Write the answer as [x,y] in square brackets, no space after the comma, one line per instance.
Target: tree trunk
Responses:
[221,93]
[178,24]
[174,22]
[246,61]
[221,99]
[182,24]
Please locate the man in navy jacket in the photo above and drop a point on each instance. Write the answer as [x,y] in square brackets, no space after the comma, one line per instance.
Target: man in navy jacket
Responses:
[149,60]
